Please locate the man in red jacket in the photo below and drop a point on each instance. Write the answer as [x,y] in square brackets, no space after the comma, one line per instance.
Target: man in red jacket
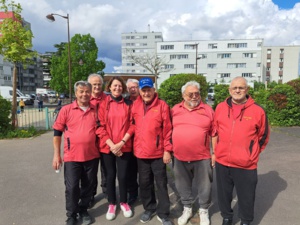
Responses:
[242,133]
[192,128]
[81,156]
[152,147]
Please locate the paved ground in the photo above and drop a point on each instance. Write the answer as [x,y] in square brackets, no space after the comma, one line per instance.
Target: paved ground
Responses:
[31,193]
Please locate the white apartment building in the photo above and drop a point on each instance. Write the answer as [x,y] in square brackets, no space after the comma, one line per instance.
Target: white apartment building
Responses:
[281,63]
[218,60]
[138,43]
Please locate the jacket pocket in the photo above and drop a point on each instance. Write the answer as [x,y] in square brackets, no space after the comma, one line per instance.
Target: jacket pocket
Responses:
[157,141]
[69,143]
[251,146]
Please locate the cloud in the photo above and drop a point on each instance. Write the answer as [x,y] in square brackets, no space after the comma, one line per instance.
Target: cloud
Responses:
[106,20]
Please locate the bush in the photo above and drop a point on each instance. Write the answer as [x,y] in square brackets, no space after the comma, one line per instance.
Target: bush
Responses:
[282,106]
[170,89]
[20,133]
[5,112]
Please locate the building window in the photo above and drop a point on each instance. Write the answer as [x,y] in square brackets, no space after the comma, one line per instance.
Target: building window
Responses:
[236,65]
[157,36]
[258,64]
[237,45]
[280,68]
[183,56]
[280,60]
[259,44]
[189,66]
[281,51]
[212,46]
[249,55]
[166,47]
[224,55]
[211,65]
[189,46]
[144,37]
[8,78]
[127,37]
[268,60]
[246,74]
[223,75]
[1,67]
[269,51]
[169,66]
[203,56]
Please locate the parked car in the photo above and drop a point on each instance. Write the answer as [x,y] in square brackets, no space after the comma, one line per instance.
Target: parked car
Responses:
[63,96]
[211,93]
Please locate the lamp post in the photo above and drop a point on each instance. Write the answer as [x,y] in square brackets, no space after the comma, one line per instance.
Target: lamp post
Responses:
[52,18]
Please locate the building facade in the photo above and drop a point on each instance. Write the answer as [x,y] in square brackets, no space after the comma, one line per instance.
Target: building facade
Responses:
[281,63]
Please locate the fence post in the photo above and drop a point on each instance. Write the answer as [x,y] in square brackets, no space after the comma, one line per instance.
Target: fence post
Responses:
[47,118]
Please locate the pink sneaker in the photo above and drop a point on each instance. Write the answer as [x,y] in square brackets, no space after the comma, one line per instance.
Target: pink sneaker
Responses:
[111,212]
[126,210]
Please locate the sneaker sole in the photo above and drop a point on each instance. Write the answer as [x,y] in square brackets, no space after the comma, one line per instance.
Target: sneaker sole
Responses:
[143,221]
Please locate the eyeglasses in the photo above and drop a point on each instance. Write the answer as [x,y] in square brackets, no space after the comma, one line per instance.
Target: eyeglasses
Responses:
[133,87]
[238,88]
[191,94]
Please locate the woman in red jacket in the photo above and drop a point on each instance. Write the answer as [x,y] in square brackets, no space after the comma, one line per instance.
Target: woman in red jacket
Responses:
[115,144]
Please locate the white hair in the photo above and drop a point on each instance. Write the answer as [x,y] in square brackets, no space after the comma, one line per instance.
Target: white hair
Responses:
[95,75]
[190,83]
[132,81]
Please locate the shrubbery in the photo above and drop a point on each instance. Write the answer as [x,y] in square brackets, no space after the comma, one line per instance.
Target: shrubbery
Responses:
[5,112]
[170,89]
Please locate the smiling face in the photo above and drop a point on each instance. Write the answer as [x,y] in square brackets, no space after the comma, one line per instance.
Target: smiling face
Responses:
[116,88]
[133,89]
[191,97]
[96,86]
[238,90]
[147,94]
[83,95]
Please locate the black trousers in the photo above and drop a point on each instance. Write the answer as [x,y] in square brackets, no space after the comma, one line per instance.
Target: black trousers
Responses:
[112,164]
[103,178]
[244,182]
[80,178]
[150,170]
[132,184]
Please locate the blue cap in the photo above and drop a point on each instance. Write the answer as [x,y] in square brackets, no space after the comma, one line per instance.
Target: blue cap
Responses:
[145,82]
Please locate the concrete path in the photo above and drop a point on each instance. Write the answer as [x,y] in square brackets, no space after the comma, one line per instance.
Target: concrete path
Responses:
[31,193]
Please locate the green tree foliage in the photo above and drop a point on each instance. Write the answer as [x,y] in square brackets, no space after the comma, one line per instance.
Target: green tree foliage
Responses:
[15,43]
[5,111]
[170,89]
[282,106]
[84,50]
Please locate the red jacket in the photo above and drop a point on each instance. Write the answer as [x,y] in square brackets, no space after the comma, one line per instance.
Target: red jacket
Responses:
[153,128]
[192,131]
[241,139]
[114,123]
[79,129]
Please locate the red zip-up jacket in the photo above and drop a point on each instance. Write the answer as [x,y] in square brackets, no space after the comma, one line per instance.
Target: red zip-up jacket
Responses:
[153,128]
[114,123]
[242,139]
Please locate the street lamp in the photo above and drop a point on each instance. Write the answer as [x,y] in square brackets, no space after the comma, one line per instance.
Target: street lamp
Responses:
[51,18]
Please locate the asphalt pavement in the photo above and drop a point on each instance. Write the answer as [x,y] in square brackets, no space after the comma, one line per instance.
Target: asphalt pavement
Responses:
[31,193]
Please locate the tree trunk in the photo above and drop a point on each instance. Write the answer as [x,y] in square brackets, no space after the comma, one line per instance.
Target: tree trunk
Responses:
[14,100]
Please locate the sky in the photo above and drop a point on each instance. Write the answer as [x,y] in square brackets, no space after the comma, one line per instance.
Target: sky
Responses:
[276,21]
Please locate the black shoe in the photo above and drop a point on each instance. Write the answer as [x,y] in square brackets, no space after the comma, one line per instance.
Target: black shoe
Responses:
[165,221]
[227,222]
[86,218]
[71,221]
[147,215]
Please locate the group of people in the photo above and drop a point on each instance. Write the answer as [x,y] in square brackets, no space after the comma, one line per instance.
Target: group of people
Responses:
[134,137]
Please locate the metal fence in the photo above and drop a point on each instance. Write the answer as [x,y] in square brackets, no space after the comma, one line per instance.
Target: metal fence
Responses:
[32,117]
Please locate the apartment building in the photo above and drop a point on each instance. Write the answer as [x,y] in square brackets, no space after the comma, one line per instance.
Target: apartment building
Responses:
[138,44]
[218,60]
[281,63]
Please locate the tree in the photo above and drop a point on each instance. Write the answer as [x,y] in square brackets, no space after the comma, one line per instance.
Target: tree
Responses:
[170,89]
[151,62]
[84,53]
[15,44]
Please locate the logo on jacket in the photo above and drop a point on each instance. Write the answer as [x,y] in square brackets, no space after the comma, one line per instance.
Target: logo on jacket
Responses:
[247,117]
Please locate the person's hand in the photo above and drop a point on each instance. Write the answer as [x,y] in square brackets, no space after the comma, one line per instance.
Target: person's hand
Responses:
[167,157]
[116,149]
[213,160]
[57,162]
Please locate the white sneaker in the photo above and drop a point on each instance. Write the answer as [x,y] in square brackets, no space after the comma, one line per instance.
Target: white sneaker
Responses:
[186,215]
[204,217]
[111,212]
[126,210]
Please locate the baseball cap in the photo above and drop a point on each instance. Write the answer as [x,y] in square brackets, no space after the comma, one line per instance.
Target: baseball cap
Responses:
[145,82]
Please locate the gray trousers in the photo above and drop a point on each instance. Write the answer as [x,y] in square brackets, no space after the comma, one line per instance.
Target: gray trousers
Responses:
[198,173]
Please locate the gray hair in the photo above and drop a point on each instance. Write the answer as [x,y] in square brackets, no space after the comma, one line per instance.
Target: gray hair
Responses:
[95,75]
[239,78]
[190,83]
[82,83]
[133,81]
